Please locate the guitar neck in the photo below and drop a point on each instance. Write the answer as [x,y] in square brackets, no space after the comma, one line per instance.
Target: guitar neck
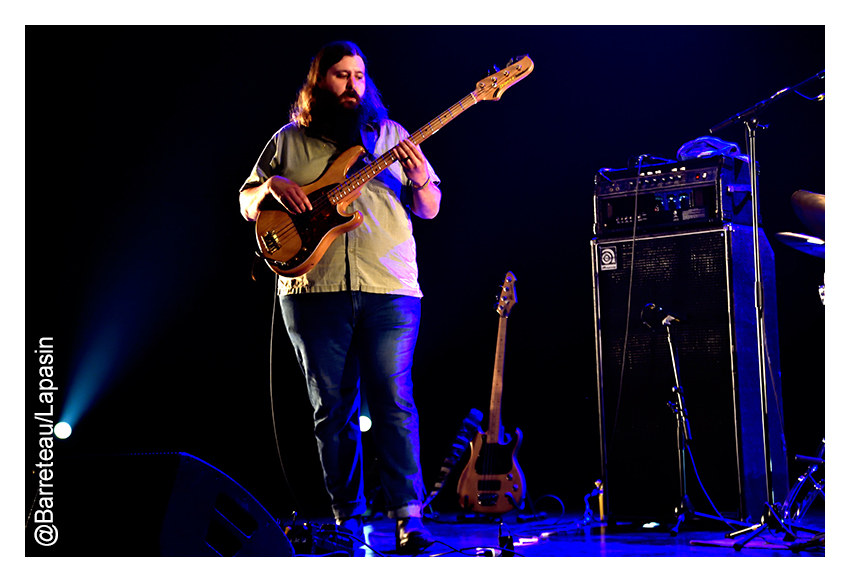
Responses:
[494,427]
[443,119]
[358,179]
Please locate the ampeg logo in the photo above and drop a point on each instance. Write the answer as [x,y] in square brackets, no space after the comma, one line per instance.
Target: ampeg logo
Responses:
[608,258]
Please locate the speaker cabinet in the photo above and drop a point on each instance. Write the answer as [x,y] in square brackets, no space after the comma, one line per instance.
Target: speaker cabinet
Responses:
[707,277]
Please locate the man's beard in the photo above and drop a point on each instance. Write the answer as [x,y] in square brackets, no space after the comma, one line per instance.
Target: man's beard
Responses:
[339,122]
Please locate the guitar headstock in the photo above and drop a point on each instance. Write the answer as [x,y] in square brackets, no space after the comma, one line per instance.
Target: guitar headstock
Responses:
[507,297]
[491,87]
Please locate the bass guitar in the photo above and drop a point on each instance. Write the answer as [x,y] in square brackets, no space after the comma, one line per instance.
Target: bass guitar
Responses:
[492,481]
[292,244]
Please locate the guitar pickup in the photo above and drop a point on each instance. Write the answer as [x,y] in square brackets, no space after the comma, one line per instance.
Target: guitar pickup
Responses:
[271,241]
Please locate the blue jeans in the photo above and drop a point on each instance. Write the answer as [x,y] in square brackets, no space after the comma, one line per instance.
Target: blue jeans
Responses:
[341,339]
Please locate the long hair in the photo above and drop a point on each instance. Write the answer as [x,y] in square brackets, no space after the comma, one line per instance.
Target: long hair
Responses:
[328,56]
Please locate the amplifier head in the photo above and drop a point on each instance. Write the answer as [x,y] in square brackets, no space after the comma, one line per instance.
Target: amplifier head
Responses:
[673,196]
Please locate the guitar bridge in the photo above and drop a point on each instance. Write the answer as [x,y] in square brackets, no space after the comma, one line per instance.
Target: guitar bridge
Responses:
[488,499]
[271,241]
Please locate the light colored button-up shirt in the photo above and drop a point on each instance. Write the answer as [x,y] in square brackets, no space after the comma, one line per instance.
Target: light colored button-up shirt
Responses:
[379,256]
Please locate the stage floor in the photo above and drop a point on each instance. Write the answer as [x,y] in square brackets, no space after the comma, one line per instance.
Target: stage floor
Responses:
[457,535]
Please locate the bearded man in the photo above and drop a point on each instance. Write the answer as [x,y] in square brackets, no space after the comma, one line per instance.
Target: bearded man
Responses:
[354,318]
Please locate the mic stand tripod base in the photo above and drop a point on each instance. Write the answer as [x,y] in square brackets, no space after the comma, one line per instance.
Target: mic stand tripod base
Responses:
[778,517]
[684,511]
[768,520]
[816,541]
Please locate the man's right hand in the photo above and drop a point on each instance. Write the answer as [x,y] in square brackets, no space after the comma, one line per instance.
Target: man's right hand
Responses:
[289,194]
[285,191]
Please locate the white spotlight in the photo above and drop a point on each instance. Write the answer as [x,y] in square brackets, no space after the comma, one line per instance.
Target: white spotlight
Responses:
[62,430]
[365,423]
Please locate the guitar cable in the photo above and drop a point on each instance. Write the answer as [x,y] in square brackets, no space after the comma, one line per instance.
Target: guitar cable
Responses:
[271,398]
[628,302]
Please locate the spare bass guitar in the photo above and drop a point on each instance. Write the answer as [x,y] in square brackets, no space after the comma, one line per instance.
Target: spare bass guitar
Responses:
[492,481]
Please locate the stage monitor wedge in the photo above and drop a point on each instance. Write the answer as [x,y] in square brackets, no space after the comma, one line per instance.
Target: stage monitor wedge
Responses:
[156,504]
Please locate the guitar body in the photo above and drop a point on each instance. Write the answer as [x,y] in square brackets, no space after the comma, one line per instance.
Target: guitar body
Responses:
[492,481]
[292,244]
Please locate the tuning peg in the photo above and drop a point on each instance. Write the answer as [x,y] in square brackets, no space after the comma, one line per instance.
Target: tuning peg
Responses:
[494,70]
[515,60]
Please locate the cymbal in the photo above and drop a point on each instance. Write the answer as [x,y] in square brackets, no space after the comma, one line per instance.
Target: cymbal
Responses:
[810,207]
[802,242]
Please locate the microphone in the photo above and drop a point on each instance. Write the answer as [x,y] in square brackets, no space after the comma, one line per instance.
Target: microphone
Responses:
[656,317]
[471,425]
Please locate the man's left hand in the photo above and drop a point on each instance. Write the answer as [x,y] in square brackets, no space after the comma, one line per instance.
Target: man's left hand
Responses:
[412,161]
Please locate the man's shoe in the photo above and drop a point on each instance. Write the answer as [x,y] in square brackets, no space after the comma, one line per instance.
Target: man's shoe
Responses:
[411,537]
[352,524]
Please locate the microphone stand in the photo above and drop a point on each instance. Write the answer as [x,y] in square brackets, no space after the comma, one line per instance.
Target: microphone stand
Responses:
[683,436]
[750,118]
[685,510]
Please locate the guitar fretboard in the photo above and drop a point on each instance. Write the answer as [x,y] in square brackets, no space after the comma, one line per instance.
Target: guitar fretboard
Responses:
[494,426]
[364,175]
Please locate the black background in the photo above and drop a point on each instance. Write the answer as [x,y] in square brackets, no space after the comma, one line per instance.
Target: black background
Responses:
[141,137]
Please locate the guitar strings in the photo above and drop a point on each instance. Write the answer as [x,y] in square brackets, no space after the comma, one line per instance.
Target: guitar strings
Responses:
[361,177]
[489,457]
[364,175]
